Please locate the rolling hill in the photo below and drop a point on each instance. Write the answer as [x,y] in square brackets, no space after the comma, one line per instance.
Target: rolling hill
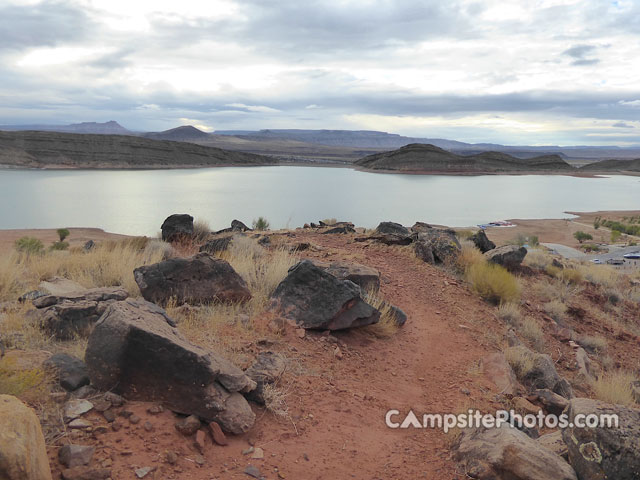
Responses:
[35,149]
[419,158]
[613,166]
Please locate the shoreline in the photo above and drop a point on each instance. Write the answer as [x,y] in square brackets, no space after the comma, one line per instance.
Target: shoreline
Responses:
[579,174]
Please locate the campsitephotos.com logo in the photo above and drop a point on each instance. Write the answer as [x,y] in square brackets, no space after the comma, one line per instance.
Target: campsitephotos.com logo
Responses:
[477,419]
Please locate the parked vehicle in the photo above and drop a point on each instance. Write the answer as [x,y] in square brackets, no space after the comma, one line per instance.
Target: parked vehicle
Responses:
[597,261]
[632,255]
[615,261]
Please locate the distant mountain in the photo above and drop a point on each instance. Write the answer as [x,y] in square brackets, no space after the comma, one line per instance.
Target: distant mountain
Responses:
[71,150]
[186,133]
[420,158]
[613,166]
[107,128]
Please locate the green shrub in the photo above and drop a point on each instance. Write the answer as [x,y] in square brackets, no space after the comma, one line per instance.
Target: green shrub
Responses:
[29,245]
[493,283]
[62,233]
[582,236]
[615,236]
[261,224]
[59,246]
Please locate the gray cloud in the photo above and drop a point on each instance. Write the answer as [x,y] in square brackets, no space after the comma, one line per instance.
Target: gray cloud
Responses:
[580,54]
[45,24]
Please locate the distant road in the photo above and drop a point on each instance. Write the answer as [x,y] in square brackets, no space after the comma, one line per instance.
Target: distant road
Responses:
[566,252]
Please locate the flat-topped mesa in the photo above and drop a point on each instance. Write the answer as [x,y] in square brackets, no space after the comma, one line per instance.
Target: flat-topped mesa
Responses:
[418,158]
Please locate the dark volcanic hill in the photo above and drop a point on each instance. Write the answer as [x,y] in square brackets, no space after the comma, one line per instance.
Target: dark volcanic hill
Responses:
[107,128]
[186,133]
[68,150]
[420,158]
[613,166]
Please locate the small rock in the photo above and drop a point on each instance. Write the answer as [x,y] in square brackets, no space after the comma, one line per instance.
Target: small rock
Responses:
[109,415]
[143,472]
[188,426]
[116,426]
[155,409]
[200,460]
[258,454]
[217,434]
[338,353]
[300,332]
[80,423]
[134,419]
[199,441]
[76,408]
[70,371]
[148,426]
[75,455]
[115,399]
[171,458]
[252,471]
[247,451]
[85,392]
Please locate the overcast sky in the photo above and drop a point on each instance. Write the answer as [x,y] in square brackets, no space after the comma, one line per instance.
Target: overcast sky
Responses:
[514,72]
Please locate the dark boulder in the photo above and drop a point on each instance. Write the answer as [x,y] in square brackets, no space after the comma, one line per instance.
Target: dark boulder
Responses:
[136,351]
[218,244]
[195,280]
[398,315]
[603,452]
[437,246]
[89,245]
[342,229]
[420,227]
[509,256]
[266,370]
[70,315]
[541,373]
[393,228]
[388,238]
[238,226]
[367,278]
[312,298]
[70,371]
[482,242]
[176,227]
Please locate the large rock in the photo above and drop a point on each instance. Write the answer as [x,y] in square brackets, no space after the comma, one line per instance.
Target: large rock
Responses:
[73,314]
[266,370]
[388,238]
[554,442]
[312,298]
[437,246]
[393,228]
[603,452]
[23,454]
[136,351]
[196,280]
[551,401]
[238,226]
[509,256]
[496,368]
[218,244]
[542,373]
[419,227]
[367,278]
[506,453]
[70,371]
[482,242]
[176,227]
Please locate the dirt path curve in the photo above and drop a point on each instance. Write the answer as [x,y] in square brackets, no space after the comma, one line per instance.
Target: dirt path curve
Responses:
[336,425]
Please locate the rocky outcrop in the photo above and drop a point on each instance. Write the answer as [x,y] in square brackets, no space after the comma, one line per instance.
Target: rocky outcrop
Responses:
[367,278]
[238,226]
[135,350]
[482,242]
[311,298]
[496,368]
[388,238]
[23,454]
[217,244]
[195,280]
[176,227]
[603,452]
[73,314]
[554,443]
[71,372]
[506,453]
[266,370]
[541,372]
[550,401]
[437,246]
[420,227]
[392,228]
[339,229]
[509,256]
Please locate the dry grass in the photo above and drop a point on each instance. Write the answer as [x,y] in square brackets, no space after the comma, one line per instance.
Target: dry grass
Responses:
[531,331]
[108,264]
[615,387]
[201,231]
[31,382]
[387,326]
[595,344]
[509,313]
[556,309]
[275,400]
[602,275]
[469,256]
[493,283]
[538,258]
[522,361]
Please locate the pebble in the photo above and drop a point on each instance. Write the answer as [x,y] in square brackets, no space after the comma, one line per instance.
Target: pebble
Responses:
[76,408]
[188,426]
[143,472]
[252,471]
[171,458]
[217,434]
[247,451]
[80,423]
[134,419]
[258,454]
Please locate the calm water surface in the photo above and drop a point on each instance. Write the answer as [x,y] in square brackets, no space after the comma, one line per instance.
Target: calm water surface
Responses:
[136,202]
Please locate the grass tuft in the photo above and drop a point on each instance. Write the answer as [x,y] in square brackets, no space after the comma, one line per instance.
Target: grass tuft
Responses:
[493,283]
[615,387]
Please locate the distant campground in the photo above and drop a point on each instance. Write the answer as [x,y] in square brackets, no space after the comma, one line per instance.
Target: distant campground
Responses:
[48,149]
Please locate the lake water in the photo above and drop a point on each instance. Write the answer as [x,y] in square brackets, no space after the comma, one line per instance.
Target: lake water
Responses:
[136,202]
